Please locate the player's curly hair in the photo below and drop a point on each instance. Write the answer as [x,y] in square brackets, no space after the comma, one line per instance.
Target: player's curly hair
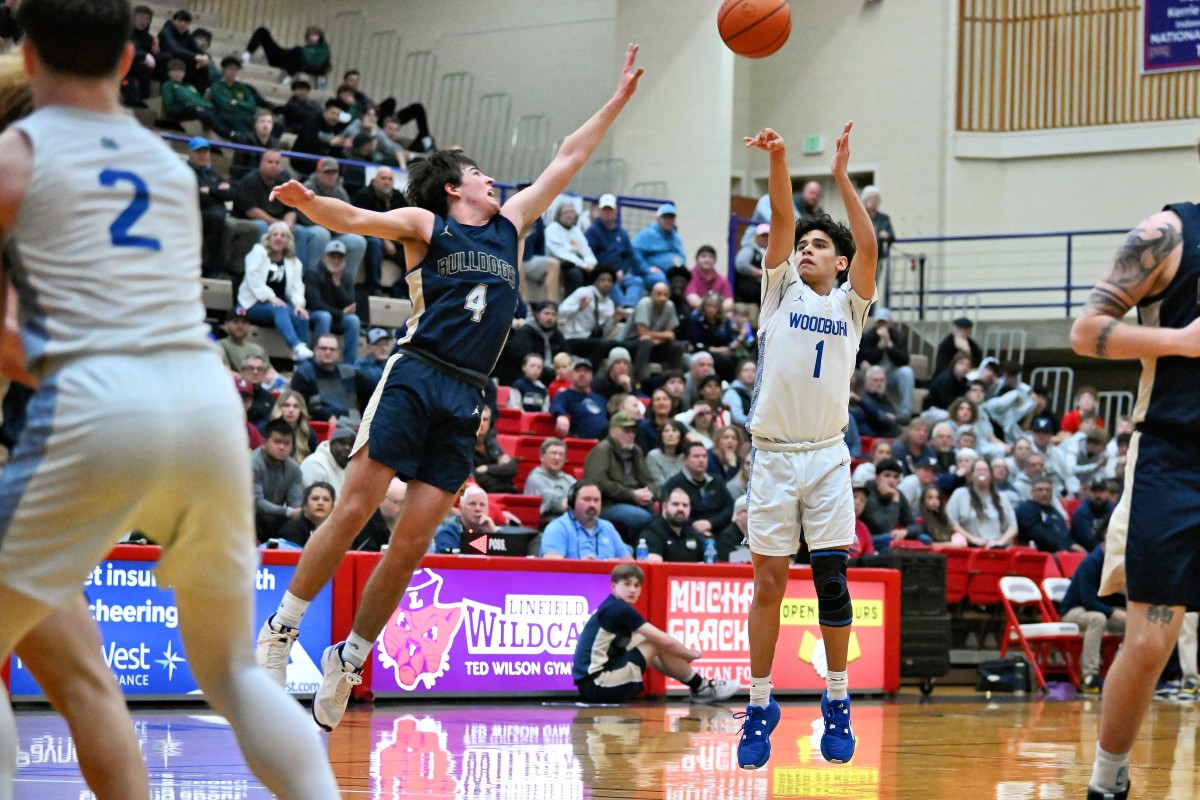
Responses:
[427,179]
[843,240]
[15,100]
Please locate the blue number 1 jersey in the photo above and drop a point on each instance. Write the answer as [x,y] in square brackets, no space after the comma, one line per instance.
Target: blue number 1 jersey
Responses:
[464,294]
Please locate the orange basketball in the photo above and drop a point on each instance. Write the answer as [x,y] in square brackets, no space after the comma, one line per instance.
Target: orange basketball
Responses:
[754,28]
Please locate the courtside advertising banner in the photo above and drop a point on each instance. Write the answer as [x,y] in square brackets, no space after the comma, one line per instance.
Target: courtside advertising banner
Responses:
[485,631]
[139,625]
[710,614]
[1170,35]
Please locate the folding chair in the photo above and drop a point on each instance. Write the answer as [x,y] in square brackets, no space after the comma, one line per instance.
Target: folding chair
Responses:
[1041,641]
[1069,561]
[1054,590]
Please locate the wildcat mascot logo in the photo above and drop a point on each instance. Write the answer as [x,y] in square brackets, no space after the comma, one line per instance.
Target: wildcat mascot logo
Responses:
[415,642]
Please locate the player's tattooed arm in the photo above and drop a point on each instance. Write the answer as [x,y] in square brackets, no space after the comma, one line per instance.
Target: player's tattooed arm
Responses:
[1134,269]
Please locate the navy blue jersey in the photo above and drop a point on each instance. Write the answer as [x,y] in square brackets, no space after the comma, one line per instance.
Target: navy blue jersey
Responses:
[1166,401]
[464,294]
[605,636]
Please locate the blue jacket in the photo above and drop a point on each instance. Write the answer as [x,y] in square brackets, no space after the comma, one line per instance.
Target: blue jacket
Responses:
[589,419]
[567,536]
[1085,585]
[611,247]
[655,247]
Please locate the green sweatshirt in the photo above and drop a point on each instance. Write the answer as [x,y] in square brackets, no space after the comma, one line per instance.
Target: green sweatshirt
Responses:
[182,97]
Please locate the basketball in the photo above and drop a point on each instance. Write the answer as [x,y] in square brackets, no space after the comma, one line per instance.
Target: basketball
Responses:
[754,28]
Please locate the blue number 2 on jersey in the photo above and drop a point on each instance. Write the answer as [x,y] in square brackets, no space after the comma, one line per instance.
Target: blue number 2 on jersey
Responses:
[119,229]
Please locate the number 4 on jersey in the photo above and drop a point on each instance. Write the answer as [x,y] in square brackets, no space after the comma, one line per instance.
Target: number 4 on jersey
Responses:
[477,302]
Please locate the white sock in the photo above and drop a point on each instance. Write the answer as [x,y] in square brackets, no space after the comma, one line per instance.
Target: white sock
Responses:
[1110,773]
[760,691]
[838,684]
[291,610]
[357,649]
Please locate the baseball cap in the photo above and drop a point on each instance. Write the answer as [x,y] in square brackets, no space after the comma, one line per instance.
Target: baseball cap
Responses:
[665,209]
[237,312]
[198,143]
[882,314]
[342,433]
[929,462]
[581,362]
[376,334]
[888,465]
[619,354]
[335,246]
[328,165]
[963,322]
[1042,425]
[1098,483]
[762,228]
[245,389]
[608,201]
[622,419]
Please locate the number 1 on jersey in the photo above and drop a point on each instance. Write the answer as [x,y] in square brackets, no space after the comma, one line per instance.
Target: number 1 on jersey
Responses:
[477,302]
[820,353]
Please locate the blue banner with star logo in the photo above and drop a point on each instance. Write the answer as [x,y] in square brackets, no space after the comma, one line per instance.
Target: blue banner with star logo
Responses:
[139,625]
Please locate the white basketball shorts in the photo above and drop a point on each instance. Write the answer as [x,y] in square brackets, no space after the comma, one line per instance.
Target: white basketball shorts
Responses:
[805,490]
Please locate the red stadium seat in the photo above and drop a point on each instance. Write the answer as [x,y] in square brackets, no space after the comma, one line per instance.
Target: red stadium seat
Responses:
[1069,505]
[323,430]
[523,470]
[502,393]
[527,508]
[866,443]
[508,443]
[986,569]
[1068,562]
[1034,565]
[909,544]
[958,560]
[510,421]
[528,448]
[539,423]
[577,449]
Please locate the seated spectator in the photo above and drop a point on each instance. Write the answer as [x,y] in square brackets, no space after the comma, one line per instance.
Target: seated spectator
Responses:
[1002,480]
[711,331]
[272,291]
[725,458]
[884,234]
[494,469]
[881,450]
[298,111]
[862,544]
[330,306]
[661,411]
[913,444]
[579,411]
[540,335]
[988,444]
[291,408]
[1040,524]
[888,515]
[590,317]
[1086,405]
[472,520]
[1034,466]
[579,532]
[710,394]
[960,474]
[924,475]
[879,348]
[740,394]
[176,43]
[1124,425]
[1013,401]
[319,498]
[1086,455]
[701,366]
[880,415]
[1020,451]
[182,102]
[379,349]
[941,442]
[706,280]
[312,57]
[253,199]
[333,390]
[135,88]
[957,341]
[618,466]
[549,481]
[254,370]
[381,195]
[226,240]
[631,405]
[931,513]
[657,248]
[564,374]
[617,377]
[711,504]
[731,540]
[378,530]
[325,183]
[1041,434]
[1098,504]
[747,284]
[966,439]
[246,392]
[234,102]
[652,332]
[1082,606]
[528,393]
[701,425]
[394,119]
[612,246]
[234,345]
[278,491]
[386,151]
[669,536]
[359,154]
[948,385]
[262,134]
[665,461]
[980,513]
[321,137]
[327,464]
[566,241]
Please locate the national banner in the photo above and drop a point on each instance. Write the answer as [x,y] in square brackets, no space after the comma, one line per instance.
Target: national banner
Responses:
[1170,35]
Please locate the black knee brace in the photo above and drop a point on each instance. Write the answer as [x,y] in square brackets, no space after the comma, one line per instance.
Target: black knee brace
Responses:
[833,597]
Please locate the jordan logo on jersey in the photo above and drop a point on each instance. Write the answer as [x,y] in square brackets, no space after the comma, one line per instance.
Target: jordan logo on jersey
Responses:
[823,325]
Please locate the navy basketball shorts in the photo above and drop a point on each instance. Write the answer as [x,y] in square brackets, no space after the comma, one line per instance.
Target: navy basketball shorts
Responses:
[1156,525]
[422,423]
[620,682]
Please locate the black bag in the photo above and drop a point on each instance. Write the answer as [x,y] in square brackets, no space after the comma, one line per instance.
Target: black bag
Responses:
[1003,675]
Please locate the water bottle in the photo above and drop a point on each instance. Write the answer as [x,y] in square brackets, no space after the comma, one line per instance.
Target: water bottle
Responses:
[643,552]
[710,551]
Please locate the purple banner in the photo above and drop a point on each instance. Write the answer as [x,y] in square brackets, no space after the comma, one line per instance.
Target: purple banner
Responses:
[474,631]
[1170,35]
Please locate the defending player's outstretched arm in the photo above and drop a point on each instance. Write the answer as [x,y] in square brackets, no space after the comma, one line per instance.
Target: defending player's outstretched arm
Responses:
[1143,267]
[524,207]
[866,248]
[782,238]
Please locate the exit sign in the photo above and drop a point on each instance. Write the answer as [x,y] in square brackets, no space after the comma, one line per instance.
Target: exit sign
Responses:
[814,145]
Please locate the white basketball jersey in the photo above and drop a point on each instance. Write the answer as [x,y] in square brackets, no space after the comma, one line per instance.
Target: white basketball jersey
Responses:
[105,250]
[807,350]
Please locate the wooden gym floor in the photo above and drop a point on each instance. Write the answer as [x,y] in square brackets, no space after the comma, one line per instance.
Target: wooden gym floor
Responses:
[956,744]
